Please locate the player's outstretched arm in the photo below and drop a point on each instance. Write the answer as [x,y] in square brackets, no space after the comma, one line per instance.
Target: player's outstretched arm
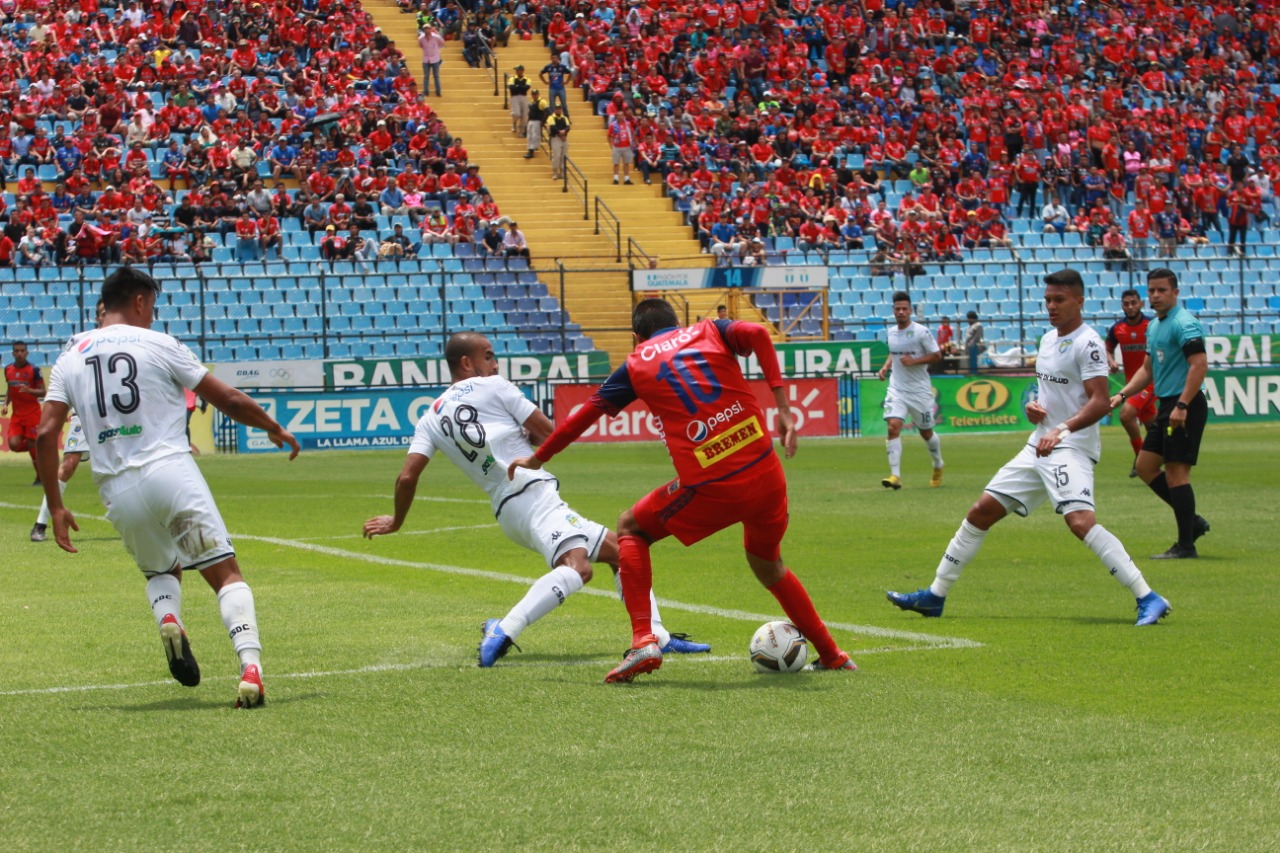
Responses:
[406,488]
[53,416]
[560,438]
[241,408]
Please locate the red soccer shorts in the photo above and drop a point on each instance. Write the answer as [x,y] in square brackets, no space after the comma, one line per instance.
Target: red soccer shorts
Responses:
[1145,403]
[25,426]
[756,498]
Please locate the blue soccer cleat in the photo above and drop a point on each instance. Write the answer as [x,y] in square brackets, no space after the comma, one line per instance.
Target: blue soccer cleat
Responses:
[494,643]
[1152,608]
[922,601]
[680,644]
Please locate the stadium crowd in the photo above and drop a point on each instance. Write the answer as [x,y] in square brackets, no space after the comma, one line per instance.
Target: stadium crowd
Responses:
[1148,124]
[1140,127]
[116,104]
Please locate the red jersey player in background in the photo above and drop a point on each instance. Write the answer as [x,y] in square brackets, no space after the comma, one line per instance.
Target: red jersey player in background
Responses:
[727,469]
[1129,334]
[22,403]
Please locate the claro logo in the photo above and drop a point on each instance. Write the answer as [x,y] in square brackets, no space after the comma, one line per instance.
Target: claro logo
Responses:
[982,396]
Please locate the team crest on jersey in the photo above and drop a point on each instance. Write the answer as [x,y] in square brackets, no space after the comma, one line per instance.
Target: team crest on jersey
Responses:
[729,442]
[1065,345]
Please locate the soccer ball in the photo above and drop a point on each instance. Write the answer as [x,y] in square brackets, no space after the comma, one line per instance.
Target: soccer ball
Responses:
[779,647]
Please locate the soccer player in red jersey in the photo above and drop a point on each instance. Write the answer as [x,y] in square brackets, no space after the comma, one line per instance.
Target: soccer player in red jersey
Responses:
[22,402]
[728,472]
[1129,335]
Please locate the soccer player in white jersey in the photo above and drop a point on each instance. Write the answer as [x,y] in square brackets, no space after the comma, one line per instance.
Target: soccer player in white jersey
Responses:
[911,350]
[74,451]
[481,424]
[1057,462]
[126,382]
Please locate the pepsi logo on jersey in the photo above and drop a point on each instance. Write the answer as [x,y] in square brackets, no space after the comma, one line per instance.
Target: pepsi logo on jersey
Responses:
[698,430]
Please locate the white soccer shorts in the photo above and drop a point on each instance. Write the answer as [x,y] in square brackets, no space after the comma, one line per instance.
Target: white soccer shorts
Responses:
[539,520]
[1064,477]
[917,410]
[76,441]
[166,516]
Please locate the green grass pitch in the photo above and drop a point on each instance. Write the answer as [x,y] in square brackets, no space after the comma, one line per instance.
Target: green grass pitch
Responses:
[1032,716]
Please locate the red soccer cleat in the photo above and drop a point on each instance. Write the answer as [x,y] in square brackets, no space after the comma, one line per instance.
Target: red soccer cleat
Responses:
[647,658]
[252,693]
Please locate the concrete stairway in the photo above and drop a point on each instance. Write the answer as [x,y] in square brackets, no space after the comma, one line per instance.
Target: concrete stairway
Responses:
[599,297]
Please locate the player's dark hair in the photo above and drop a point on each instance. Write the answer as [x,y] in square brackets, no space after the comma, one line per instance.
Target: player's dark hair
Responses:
[1131,292]
[652,315]
[972,315]
[19,343]
[459,346]
[123,285]
[1163,272]
[901,296]
[1065,278]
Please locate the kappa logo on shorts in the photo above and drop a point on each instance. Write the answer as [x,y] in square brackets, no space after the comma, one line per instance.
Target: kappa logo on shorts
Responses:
[726,444]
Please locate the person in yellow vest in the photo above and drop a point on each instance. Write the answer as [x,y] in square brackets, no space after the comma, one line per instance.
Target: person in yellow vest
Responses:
[519,87]
[537,112]
[558,133]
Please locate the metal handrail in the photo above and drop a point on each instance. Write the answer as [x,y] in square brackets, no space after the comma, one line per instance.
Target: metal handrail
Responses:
[634,251]
[611,217]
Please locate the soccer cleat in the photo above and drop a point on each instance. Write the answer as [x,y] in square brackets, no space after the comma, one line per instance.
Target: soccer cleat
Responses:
[38,532]
[252,693]
[922,601]
[1152,608]
[647,658]
[680,644]
[494,643]
[1177,552]
[936,479]
[1133,472]
[182,664]
[893,481]
[37,482]
[843,662]
[1199,527]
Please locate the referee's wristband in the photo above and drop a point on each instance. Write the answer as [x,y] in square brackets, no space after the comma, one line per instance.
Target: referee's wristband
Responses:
[1123,396]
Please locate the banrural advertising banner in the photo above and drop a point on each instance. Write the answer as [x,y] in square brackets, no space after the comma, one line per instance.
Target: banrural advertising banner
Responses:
[814,402]
[377,373]
[1242,350]
[342,421]
[996,403]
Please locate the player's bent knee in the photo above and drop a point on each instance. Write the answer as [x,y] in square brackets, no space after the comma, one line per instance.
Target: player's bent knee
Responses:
[627,524]
[222,573]
[1080,522]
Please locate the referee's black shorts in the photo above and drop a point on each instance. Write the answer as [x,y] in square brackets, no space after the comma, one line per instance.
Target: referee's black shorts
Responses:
[1180,445]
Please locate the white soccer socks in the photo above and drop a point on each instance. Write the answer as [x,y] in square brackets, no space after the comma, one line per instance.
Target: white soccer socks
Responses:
[235,601]
[1116,560]
[547,593]
[43,516]
[962,548]
[893,447]
[663,635]
[935,449]
[165,594]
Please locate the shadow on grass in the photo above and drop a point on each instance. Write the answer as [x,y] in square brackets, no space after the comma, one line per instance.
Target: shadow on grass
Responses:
[193,703]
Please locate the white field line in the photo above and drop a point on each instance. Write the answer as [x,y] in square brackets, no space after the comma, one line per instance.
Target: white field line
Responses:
[407,667]
[929,640]
[426,532]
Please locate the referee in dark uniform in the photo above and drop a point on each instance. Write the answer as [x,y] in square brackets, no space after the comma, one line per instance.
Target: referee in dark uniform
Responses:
[1177,360]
